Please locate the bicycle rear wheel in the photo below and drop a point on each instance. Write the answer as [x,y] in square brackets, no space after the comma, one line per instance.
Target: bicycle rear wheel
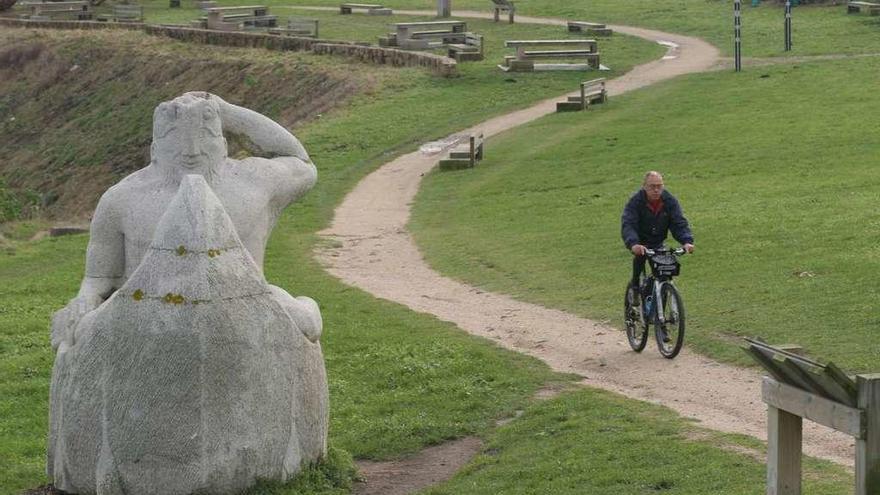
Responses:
[670,333]
[636,329]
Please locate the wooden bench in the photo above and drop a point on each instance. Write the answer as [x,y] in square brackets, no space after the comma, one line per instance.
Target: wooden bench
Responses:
[465,155]
[591,28]
[78,10]
[524,60]
[424,35]
[307,28]
[470,49]
[500,6]
[799,388]
[592,92]
[867,8]
[124,13]
[238,17]
[372,9]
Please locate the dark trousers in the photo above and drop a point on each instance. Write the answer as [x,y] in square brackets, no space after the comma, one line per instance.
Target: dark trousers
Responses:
[638,269]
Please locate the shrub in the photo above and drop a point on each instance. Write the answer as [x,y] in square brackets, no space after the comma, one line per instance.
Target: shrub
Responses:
[17,205]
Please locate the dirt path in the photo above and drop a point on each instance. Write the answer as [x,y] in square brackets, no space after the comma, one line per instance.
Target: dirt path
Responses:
[378,255]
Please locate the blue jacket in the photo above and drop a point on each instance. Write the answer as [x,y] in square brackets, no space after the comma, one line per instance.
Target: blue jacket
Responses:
[639,225]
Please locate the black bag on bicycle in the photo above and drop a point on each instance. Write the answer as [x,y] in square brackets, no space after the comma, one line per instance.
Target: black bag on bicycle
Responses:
[665,265]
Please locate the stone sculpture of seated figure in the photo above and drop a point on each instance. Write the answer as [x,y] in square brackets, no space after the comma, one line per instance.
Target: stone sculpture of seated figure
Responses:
[179,369]
[188,139]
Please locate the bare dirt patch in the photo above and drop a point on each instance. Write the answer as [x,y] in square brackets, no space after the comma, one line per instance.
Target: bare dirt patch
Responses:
[429,467]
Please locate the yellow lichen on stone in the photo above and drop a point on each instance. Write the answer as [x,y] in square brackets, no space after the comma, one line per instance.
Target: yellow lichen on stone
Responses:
[181,250]
[171,298]
[137,295]
[213,252]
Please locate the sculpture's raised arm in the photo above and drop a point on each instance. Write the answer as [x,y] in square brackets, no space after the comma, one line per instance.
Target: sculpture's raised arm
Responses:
[262,136]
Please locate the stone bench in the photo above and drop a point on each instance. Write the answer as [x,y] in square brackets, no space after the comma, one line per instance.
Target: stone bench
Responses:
[867,8]
[592,92]
[235,18]
[372,9]
[465,155]
[471,48]
[528,51]
[429,34]
[77,10]
[124,13]
[307,28]
[591,28]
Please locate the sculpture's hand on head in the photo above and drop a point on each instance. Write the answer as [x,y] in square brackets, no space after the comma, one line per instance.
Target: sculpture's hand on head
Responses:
[262,136]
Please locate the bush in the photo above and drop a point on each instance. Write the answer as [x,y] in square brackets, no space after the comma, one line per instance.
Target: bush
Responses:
[17,205]
[6,4]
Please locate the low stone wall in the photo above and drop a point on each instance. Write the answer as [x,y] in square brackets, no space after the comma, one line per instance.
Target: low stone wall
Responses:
[398,58]
[133,26]
[443,66]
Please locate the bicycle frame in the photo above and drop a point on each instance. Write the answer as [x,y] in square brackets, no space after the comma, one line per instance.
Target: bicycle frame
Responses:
[659,281]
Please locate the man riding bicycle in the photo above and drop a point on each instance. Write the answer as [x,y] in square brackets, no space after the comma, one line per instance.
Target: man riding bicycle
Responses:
[647,217]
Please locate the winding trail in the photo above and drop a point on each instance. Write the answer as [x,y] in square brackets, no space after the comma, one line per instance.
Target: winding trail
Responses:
[377,254]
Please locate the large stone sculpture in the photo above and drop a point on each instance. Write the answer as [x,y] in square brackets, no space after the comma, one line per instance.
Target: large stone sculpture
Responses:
[179,369]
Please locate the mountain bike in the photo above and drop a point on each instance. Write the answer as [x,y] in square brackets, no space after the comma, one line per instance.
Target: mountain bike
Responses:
[656,301]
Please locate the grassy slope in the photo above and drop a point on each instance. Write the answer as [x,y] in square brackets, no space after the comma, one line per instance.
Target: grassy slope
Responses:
[80,107]
[778,187]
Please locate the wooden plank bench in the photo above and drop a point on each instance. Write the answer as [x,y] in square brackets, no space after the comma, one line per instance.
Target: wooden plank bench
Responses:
[591,28]
[465,155]
[307,28]
[867,8]
[500,6]
[78,10]
[124,13]
[592,92]
[471,48]
[799,388]
[524,60]
[371,8]
[237,17]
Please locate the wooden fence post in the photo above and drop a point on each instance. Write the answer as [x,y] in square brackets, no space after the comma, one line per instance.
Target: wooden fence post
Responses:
[784,438]
[444,8]
[868,448]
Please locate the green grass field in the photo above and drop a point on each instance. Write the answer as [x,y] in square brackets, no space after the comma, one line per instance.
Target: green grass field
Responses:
[563,447]
[816,29]
[774,176]
[400,381]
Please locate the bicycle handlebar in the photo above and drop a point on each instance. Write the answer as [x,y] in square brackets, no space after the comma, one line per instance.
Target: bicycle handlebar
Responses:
[676,251]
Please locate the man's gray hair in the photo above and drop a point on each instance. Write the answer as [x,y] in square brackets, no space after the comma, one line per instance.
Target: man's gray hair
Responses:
[650,174]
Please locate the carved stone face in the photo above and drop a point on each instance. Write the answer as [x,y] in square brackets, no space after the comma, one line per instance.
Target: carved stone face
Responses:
[187,136]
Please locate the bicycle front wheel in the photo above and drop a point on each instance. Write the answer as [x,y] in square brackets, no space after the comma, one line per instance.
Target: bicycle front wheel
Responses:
[670,332]
[636,329]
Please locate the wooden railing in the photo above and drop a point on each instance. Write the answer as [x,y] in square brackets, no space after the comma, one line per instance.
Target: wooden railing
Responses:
[799,388]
